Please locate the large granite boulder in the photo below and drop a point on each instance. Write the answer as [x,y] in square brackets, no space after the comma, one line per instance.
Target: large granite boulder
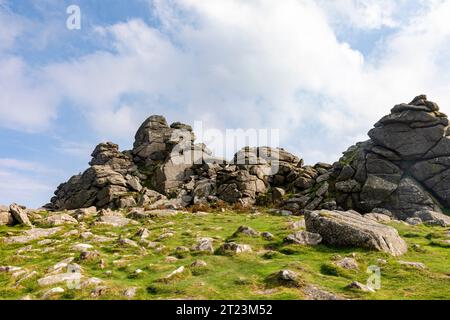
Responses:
[404,167]
[350,229]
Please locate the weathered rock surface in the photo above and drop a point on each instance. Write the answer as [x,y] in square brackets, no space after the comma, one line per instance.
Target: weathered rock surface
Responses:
[19,214]
[304,238]
[32,234]
[403,167]
[350,229]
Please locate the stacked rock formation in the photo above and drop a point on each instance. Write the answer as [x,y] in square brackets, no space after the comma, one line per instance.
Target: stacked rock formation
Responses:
[403,171]
[403,168]
[167,169]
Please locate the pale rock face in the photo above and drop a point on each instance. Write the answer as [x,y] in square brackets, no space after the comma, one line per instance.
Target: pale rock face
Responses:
[347,229]
[19,214]
[403,168]
[304,238]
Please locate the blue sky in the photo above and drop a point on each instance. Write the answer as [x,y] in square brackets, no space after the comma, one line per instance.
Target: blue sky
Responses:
[322,72]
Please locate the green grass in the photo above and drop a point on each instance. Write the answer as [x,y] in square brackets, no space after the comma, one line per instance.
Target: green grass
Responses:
[244,276]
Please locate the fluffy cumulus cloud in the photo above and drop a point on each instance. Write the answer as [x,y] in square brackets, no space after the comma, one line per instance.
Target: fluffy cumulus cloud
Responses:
[23,180]
[260,64]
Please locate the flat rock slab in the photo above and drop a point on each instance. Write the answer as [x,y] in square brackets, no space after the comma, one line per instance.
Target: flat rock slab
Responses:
[59,278]
[57,220]
[163,213]
[350,229]
[304,238]
[33,234]
[114,221]
[20,214]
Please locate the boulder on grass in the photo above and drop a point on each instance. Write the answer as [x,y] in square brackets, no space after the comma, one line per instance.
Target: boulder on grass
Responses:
[350,229]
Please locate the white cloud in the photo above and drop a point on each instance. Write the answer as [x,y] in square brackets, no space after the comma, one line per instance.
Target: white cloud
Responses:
[24,182]
[364,14]
[12,26]
[246,64]
[26,104]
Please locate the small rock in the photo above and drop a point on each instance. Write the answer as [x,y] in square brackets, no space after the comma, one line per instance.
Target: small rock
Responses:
[82,247]
[61,265]
[143,233]
[55,220]
[413,221]
[170,259]
[300,224]
[19,214]
[198,264]
[128,243]
[99,291]
[89,255]
[173,273]
[348,263]
[289,278]
[245,231]
[52,292]
[417,265]
[204,245]
[166,235]
[130,293]
[235,248]
[267,236]
[304,238]
[359,286]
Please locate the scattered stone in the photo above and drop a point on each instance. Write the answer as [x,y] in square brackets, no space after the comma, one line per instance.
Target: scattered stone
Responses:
[89,255]
[288,278]
[417,265]
[314,293]
[143,233]
[70,233]
[170,259]
[82,247]
[114,221]
[304,238]
[348,263]
[245,231]
[59,278]
[349,229]
[166,235]
[61,265]
[128,242]
[33,234]
[55,220]
[130,293]
[267,236]
[235,248]
[9,269]
[434,218]
[99,291]
[359,286]
[19,214]
[198,264]
[175,272]
[6,218]
[52,292]
[284,213]
[413,221]
[204,245]
[300,224]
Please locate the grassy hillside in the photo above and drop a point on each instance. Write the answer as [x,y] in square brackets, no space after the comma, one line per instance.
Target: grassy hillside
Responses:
[242,276]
